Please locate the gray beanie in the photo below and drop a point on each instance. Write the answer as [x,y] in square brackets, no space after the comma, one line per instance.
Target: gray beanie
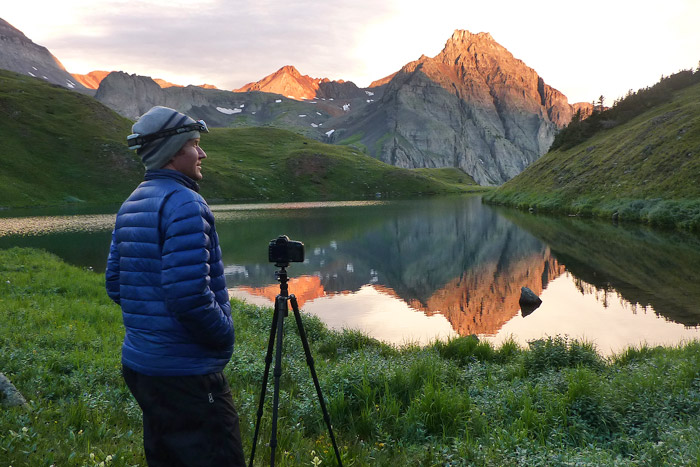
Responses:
[155,154]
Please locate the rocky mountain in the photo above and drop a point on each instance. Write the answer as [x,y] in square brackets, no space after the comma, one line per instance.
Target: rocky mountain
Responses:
[19,54]
[132,95]
[288,82]
[473,106]
[382,81]
[91,80]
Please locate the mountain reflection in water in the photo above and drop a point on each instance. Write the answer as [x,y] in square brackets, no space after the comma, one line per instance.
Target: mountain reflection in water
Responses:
[465,263]
[413,271]
[648,268]
[480,301]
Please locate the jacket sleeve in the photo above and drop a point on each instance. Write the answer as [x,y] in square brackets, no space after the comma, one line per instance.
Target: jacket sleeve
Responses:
[185,275]
[112,273]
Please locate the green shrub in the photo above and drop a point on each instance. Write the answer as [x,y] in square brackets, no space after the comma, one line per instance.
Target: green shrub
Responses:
[465,349]
[350,340]
[587,404]
[554,353]
[437,411]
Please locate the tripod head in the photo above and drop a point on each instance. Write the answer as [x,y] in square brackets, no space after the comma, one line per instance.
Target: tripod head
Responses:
[282,278]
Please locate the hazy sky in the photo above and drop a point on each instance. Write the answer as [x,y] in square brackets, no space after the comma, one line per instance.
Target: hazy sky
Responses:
[583,48]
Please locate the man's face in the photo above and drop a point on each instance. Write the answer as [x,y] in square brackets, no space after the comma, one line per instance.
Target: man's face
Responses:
[188,160]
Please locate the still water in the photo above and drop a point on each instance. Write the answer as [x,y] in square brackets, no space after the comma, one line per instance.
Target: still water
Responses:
[414,271]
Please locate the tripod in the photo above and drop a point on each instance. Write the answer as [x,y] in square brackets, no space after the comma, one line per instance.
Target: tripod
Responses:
[281,312]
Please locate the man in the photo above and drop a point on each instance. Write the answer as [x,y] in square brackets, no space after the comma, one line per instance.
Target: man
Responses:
[166,272]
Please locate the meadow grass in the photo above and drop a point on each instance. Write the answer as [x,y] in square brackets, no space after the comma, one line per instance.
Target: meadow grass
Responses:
[274,164]
[461,402]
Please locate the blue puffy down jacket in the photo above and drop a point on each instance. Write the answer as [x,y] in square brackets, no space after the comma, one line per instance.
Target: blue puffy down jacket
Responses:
[166,272]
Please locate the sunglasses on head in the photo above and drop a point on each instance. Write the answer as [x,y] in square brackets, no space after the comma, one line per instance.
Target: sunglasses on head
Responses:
[136,140]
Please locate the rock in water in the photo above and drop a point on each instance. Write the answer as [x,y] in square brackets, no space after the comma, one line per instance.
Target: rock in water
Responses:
[529,301]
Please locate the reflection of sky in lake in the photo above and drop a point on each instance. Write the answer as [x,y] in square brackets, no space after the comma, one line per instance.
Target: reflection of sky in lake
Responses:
[376,313]
[613,324]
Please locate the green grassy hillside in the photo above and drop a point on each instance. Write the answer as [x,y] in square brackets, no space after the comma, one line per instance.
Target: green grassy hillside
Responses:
[647,169]
[268,163]
[62,147]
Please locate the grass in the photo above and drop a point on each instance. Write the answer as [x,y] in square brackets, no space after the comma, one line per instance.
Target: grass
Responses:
[354,141]
[59,144]
[460,402]
[274,164]
[63,143]
[645,170]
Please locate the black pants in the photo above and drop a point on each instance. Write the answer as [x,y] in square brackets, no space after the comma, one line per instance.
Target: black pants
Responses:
[187,420]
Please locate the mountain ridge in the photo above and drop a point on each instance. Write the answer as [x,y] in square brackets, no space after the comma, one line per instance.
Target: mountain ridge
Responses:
[63,145]
[93,79]
[474,107]
[21,55]
[286,81]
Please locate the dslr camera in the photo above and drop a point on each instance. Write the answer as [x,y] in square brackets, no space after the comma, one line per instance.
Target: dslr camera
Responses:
[283,251]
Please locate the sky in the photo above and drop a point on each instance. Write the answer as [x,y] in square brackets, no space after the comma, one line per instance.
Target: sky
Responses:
[584,49]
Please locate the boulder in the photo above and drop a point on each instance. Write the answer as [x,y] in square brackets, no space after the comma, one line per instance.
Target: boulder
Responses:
[9,395]
[529,301]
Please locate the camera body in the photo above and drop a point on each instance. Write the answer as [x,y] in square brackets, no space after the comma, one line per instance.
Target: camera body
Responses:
[283,251]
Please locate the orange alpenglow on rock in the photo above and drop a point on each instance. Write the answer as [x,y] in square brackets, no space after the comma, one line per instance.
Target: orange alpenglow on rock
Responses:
[305,288]
[91,80]
[482,301]
[288,82]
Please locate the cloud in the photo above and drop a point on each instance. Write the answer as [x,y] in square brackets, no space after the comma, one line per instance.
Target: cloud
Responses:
[582,49]
[227,43]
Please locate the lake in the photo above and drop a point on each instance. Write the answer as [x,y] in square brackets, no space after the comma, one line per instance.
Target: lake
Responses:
[415,271]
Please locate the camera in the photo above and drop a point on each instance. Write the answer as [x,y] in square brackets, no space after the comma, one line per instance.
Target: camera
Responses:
[283,251]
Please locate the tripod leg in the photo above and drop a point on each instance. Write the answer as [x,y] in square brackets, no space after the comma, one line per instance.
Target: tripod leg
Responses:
[312,367]
[281,305]
[268,362]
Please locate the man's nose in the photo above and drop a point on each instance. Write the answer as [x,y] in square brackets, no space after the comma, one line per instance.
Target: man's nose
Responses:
[201,153]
